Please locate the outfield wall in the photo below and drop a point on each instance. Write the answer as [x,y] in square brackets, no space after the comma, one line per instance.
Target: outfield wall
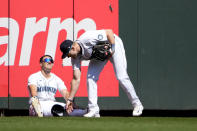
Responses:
[158,35]
[160,41]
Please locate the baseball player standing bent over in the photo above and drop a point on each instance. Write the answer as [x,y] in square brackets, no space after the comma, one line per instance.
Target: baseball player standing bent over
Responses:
[43,86]
[89,47]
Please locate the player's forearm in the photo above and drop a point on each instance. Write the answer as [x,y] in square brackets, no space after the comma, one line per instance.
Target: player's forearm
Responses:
[110,36]
[65,94]
[74,87]
[33,93]
[33,90]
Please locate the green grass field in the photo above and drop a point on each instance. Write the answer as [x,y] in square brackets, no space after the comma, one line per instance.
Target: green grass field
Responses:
[98,124]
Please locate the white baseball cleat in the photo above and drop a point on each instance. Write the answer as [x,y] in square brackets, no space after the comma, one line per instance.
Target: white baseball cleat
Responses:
[36,106]
[92,114]
[137,111]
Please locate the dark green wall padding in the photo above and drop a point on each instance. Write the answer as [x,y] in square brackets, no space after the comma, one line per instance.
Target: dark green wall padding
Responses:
[160,41]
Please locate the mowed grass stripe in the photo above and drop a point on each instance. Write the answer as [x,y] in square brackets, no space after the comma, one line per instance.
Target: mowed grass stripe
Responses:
[98,124]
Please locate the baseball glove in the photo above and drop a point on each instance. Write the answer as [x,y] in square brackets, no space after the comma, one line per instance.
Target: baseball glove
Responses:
[36,106]
[101,51]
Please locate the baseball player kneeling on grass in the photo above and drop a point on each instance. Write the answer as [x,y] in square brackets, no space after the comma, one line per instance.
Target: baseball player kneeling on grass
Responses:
[98,46]
[43,86]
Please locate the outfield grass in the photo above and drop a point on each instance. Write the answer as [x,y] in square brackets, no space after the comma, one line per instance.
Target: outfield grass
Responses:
[98,124]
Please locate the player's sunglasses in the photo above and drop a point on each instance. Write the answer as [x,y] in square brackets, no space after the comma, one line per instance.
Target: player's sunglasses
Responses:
[48,60]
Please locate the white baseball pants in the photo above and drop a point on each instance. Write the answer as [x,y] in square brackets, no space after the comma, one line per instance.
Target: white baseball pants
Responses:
[46,107]
[120,67]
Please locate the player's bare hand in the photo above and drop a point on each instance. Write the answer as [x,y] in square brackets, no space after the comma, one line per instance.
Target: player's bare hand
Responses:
[69,106]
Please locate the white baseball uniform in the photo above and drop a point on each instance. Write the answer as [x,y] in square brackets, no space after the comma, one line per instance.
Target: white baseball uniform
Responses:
[46,90]
[87,41]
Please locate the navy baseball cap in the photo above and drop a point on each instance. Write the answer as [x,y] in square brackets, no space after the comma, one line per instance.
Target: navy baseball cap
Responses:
[65,47]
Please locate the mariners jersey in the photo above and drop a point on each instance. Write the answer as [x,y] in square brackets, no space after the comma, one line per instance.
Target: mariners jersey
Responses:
[46,88]
[86,41]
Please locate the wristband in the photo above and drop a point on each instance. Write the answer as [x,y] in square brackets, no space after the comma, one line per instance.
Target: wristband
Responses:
[34,97]
[113,47]
[70,100]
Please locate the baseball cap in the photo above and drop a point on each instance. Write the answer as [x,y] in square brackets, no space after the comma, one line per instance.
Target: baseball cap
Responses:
[65,47]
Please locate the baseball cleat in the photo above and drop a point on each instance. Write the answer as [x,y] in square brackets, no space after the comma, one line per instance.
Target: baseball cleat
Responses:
[137,111]
[92,114]
[36,106]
